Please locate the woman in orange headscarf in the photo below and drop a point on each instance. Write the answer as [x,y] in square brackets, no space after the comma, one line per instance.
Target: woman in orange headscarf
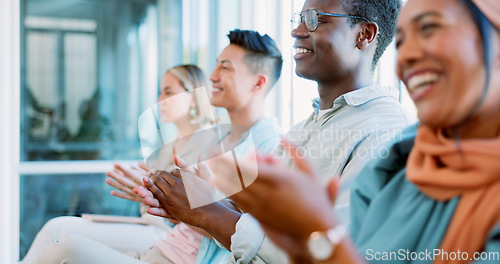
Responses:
[434,199]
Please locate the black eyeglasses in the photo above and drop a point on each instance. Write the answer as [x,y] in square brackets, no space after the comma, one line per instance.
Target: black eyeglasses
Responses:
[310,17]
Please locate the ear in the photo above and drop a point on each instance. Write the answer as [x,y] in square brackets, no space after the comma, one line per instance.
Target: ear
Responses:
[262,80]
[367,35]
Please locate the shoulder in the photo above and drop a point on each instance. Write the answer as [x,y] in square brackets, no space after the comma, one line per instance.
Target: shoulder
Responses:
[296,129]
[379,172]
[379,108]
[266,134]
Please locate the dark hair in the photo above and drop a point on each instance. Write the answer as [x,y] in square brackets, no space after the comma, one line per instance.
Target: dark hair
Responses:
[383,12]
[263,54]
[485,27]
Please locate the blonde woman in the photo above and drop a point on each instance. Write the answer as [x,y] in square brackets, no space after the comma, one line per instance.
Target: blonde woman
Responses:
[184,101]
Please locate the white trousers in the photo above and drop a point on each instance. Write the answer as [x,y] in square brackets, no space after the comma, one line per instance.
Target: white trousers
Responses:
[75,238]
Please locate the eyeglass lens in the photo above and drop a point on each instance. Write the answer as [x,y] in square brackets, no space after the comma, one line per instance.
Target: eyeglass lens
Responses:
[309,17]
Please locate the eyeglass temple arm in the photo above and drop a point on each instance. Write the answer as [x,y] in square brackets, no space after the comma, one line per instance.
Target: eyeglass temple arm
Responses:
[338,15]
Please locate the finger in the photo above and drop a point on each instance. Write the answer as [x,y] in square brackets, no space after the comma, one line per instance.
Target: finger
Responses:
[203,171]
[184,165]
[135,169]
[180,162]
[143,192]
[155,190]
[298,158]
[176,173]
[143,166]
[138,171]
[130,174]
[153,202]
[126,196]
[119,186]
[121,179]
[165,180]
[159,212]
[333,189]
[116,170]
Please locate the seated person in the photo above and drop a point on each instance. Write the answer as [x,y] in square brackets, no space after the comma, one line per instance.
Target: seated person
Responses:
[246,70]
[338,45]
[184,102]
[434,199]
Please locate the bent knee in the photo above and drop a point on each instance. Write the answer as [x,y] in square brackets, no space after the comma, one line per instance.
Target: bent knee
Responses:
[66,250]
[62,226]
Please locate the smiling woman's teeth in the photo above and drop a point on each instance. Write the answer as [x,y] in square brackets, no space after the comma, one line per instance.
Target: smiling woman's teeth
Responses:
[419,81]
[216,89]
[302,50]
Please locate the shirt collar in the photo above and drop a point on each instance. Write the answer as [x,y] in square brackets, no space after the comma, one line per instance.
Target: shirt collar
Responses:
[360,96]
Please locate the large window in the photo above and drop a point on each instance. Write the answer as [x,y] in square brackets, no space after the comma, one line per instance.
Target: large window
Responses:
[89,68]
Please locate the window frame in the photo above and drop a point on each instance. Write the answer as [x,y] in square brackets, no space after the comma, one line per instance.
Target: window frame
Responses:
[10,81]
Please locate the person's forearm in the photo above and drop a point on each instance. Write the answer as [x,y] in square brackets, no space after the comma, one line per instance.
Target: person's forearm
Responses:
[200,231]
[220,221]
[345,253]
[205,233]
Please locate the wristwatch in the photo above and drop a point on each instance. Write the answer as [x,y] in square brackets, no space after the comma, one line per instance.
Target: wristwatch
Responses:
[321,244]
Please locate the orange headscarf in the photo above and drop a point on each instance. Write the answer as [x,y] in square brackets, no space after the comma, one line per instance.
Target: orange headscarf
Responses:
[442,172]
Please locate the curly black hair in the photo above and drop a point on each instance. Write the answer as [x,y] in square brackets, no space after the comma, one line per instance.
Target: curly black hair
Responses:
[383,12]
[262,52]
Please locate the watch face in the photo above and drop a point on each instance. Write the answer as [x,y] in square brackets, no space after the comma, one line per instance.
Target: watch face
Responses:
[320,247]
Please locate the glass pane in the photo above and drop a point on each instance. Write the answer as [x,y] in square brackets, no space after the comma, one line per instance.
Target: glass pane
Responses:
[88,77]
[44,197]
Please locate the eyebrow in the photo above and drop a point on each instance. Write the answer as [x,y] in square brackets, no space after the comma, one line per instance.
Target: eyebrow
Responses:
[225,61]
[420,17]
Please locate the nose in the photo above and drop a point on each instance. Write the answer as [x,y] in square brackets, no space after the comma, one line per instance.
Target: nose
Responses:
[300,31]
[409,51]
[214,76]
[161,97]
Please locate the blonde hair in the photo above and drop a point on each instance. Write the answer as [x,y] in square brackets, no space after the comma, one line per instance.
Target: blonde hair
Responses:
[191,77]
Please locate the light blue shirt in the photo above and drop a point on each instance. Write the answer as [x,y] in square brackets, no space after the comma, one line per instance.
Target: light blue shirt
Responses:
[265,136]
[338,143]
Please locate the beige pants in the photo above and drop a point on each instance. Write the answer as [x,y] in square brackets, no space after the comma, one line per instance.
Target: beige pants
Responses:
[118,237]
[80,250]
[153,256]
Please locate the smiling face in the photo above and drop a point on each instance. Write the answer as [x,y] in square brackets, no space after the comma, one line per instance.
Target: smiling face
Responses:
[440,59]
[232,79]
[174,101]
[329,51]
